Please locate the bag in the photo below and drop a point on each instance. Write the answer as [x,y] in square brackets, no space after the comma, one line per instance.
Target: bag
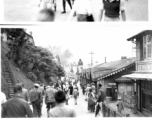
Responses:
[90,18]
[91,101]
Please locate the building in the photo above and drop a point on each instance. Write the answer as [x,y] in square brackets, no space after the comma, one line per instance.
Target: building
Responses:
[110,74]
[142,77]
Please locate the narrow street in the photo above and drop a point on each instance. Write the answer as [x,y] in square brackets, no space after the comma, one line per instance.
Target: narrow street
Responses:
[27,10]
[80,108]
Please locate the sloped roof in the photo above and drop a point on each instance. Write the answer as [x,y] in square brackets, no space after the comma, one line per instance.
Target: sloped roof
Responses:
[117,66]
[140,34]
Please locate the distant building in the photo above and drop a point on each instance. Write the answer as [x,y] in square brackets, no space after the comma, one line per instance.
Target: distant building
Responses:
[107,75]
[142,77]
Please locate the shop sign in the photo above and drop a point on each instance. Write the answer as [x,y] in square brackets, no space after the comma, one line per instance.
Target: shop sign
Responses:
[144,67]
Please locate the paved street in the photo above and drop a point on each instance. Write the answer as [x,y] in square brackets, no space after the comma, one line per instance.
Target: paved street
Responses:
[80,108]
[27,10]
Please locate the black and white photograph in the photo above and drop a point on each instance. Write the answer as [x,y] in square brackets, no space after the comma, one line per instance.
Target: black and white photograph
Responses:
[83,59]
[95,71]
[75,10]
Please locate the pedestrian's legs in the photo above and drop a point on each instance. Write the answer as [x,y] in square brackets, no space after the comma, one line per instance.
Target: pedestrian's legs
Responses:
[35,112]
[75,100]
[69,2]
[39,110]
[64,5]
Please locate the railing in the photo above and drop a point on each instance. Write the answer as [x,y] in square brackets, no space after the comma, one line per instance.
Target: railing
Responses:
[109,112]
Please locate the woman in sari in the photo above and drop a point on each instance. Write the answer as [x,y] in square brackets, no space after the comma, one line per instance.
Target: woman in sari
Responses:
[91,101]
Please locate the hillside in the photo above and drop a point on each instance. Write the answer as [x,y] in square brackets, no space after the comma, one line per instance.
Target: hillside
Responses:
[16,74]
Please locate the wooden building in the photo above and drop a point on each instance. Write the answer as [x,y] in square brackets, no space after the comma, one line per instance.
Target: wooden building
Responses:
[143,74]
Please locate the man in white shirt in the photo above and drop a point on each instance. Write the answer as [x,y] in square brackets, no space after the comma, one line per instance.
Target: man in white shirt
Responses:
[3,98]
[61,110]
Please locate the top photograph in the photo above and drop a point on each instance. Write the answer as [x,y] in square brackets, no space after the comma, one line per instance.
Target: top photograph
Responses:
[75,10]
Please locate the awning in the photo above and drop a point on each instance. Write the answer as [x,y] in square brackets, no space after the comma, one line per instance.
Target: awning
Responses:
[139,76]
[123,79]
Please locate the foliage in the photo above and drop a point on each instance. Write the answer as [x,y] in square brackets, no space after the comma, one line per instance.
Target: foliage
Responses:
[31,76]
[32,59]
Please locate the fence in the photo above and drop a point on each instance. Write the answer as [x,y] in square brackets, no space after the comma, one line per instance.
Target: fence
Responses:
[109,112]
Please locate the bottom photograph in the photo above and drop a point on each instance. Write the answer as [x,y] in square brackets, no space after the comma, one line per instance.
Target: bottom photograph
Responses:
[82,71]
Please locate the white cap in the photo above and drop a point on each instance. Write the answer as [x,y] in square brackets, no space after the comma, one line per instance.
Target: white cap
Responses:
[119,97]
[36,85]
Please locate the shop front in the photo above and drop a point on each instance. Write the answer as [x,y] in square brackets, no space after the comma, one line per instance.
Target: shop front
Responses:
[143,79]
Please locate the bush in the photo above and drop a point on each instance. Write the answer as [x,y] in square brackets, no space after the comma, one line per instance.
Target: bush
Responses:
[31,76]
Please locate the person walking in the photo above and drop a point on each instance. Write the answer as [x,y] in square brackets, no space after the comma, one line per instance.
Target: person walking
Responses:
[64,5]
[60,110]
[50,97]
[47,4]
[71,90]
[91,101]
[16,107]
[75,95]
[112,10]
[83,10]
[120,105]
[100,99]
[87,91]
[36,100]
[24,94]
[134,103]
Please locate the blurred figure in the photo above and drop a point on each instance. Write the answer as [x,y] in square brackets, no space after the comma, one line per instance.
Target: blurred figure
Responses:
[3,98]
[100,99]
[64,5]
[16,107]
[36,100]
[47,4]
[87,90]
[61,110]
[50,97]
[91,101]
[112,10]
[71,90]
[120,105]
[134,102]
[24,94]
[83,10]
[46,15]
[75,95]
[93,87]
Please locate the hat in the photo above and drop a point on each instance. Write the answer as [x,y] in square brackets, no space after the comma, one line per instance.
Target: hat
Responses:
[119,97]
[37,85]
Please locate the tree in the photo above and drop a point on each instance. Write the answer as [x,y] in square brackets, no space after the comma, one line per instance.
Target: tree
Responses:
[32,59]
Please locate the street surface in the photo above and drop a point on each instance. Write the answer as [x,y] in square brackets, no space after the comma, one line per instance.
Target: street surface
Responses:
[80,108]
[27,10]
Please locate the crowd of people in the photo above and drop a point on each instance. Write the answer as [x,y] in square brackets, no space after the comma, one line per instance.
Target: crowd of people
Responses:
[55,96]
[110,10]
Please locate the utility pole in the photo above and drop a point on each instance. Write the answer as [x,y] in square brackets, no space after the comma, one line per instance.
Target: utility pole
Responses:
[91,59]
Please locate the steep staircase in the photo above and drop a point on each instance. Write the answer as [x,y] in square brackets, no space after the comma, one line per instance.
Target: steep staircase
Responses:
[8,75]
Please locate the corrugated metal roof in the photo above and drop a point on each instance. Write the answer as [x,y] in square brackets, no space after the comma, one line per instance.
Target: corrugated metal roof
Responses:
[118,66]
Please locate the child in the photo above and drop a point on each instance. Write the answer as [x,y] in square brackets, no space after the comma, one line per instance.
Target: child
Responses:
[120,105]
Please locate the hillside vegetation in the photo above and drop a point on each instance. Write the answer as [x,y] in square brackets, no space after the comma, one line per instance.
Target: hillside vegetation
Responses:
[27,63]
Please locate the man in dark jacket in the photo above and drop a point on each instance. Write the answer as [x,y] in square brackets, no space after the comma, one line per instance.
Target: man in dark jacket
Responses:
[101,98]
[36,100]
[16,107]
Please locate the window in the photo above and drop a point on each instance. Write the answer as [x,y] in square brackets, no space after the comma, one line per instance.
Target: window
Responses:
[147,100]
[147,47]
